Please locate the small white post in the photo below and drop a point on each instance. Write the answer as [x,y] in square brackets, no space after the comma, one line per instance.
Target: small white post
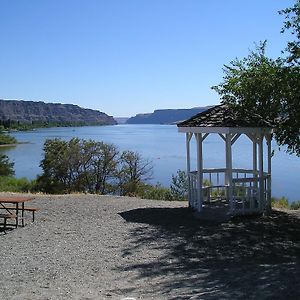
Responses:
[261,172]
[199,170]
[229,171]
[188,165]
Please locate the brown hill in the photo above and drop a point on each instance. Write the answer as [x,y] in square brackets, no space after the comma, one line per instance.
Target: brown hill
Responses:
[31,111]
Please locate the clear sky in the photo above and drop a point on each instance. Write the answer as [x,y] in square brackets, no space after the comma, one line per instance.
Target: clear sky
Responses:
[129,56]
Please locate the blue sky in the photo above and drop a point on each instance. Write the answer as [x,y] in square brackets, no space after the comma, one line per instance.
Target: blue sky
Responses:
[129,56]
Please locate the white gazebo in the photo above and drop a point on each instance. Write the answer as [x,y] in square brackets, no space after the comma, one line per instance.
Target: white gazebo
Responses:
[241,191]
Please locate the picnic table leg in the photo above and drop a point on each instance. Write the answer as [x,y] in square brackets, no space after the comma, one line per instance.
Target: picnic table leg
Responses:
[17,213]
[5,225]
[23,213]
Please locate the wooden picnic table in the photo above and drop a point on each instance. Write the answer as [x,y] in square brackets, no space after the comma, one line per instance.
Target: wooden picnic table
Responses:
[19,206]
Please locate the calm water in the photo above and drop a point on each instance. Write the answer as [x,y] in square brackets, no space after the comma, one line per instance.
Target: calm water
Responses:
[163,145]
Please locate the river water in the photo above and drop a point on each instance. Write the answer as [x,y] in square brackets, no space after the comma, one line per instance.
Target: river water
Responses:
[163,145]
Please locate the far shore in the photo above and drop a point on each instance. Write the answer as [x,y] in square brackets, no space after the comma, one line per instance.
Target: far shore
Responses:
[13,145]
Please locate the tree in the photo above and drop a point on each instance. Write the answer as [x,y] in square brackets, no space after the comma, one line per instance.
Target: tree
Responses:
[134,171]
[6,139]
[179,186]
[6,167]
[90,166]
[78,166]
[270,88]
[292,23]
[100,166]
[58,166]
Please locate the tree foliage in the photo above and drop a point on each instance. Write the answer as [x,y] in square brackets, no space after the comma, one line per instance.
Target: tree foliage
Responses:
[179,185]
[6,139]
[6,166]
[134,170]
[89,166]
[268,87]
[292,24]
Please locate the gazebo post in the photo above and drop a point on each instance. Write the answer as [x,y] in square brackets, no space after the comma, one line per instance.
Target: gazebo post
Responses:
[269,140]
[261,172]
[229,171]
[199,170]
[254,146]
[188,164]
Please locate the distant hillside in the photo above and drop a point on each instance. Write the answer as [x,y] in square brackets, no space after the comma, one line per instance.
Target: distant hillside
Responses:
[30,111]
[166,116]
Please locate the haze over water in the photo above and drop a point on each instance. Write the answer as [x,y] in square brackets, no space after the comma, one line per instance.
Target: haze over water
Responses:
[163,145]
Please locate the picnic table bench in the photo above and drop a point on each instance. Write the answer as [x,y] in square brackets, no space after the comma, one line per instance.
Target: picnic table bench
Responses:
[7,216]
[15,205]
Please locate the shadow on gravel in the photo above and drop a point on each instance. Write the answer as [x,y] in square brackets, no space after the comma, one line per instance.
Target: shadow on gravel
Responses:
[246,257]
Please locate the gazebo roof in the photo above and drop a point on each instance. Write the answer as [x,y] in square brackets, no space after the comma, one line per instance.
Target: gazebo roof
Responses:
[222,116]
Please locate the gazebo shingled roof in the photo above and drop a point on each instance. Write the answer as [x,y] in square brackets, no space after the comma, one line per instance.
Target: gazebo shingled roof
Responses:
[222,116]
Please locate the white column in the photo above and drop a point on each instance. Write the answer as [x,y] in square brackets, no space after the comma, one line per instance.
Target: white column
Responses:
[229,171]
[188,165]
[199,170]
[261,172]
[254,146]
[269,187]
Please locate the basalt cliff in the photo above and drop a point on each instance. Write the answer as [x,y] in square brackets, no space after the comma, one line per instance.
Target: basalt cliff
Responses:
[166,116]
[53,113]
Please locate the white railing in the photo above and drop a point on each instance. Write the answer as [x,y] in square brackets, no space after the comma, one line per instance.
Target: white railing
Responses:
[246,197]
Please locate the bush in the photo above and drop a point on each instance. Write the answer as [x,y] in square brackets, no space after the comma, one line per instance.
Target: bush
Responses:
[280,203]
[6,139]
[89,166]
[179,186]
[295,205]
[12,184]
[6,166]
[157,192]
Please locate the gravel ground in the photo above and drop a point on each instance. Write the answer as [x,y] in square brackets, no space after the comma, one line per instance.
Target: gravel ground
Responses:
[101,247]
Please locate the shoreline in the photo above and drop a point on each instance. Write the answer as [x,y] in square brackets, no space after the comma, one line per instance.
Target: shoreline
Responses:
[14,145]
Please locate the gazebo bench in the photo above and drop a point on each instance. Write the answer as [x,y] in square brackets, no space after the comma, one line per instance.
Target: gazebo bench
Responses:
[210,187]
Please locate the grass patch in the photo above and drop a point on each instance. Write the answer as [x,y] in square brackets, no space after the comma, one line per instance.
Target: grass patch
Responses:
[12,184]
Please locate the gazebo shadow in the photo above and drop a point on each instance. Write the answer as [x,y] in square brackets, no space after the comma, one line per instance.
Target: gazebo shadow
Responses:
[252,257]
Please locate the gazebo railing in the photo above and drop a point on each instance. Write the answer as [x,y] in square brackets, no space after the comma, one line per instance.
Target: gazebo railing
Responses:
[246,195]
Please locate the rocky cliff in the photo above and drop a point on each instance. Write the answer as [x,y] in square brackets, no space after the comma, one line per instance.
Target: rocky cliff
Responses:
[30,111]
[166,116]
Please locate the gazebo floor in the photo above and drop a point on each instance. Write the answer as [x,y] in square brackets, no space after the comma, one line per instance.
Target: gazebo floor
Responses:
[216,211]
[219,211]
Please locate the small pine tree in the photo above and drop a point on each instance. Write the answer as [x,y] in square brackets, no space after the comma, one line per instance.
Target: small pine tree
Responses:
[6,166]
[179,185]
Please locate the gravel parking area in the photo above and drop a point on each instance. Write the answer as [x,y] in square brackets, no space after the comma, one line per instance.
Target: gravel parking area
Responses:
[102,247]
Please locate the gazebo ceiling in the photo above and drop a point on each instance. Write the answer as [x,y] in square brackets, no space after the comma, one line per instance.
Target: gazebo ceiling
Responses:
[222,116]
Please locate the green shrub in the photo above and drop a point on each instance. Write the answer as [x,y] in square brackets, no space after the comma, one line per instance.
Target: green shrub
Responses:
[12,184]
[179,185]
[156,192]
[295,205]
[6,166]
[89,166]
[6,139]
[280,203]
